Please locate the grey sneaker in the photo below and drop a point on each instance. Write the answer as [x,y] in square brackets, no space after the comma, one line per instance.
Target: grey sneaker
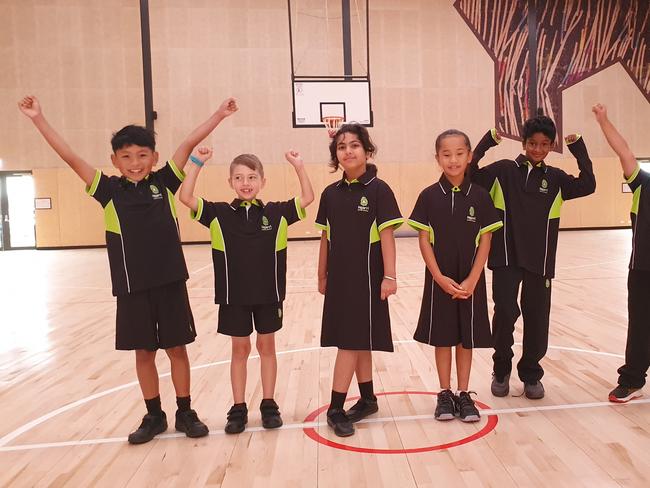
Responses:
[500,386]
[534,391]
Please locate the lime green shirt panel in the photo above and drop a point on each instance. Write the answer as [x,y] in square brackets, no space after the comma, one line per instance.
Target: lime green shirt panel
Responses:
[374,233]
[172,203]
[216,236]
[420,226]
[496,192]
[636,198]
[326,228]
[111,220]
[554,213]
[282,235]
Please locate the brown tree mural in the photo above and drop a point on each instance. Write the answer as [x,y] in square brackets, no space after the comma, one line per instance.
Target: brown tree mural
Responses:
[575,39]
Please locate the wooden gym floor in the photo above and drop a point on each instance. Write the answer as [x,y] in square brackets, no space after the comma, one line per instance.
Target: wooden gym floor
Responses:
[68,399]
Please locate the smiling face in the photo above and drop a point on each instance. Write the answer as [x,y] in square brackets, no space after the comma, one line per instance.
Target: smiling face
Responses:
[134,162]
[537,147]
[351,155]
[246,182]
[453,156]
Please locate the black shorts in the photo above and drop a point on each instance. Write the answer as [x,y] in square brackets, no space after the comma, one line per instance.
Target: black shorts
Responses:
[237,320]
[158,318]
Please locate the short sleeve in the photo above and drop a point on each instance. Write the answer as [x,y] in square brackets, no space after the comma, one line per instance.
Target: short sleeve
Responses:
[638,178]
[205,212]
[321,216]
[419,219]
[292,210]
[171,176]
[100,188]
[489,218]
[388,214]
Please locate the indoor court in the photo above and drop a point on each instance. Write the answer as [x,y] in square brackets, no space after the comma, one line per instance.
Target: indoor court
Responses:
[407,70]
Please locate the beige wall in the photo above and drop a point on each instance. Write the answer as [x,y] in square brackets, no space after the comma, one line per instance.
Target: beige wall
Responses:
[428,72]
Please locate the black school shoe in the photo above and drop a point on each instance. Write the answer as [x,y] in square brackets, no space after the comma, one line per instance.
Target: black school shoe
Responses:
[340,422]
[362,409]
[270,414]
[445,406]
[189,423]
[237,419]
[151,426]
[465,407]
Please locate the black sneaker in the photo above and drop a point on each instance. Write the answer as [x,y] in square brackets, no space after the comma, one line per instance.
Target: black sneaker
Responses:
[340,422]
[445,406]
[270,414]
[362,409]
[188,422]
[467,411]
[237,419]
[151,426]
[623,394]
[534,391]
[500,387]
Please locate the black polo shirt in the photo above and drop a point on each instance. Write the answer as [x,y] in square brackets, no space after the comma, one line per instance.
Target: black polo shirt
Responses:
[249,248]
[455,218]
[529,200]
[639,183]
[142,235]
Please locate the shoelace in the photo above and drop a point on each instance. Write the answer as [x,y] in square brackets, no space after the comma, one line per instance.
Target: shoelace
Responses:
[446,398]
[465,400]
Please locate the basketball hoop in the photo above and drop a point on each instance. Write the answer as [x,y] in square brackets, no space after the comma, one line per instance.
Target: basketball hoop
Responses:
[332,124]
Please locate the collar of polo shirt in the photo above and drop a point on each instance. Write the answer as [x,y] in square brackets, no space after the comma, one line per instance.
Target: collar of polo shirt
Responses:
[243,203]
[126,181]
[522,162]
[364,179]
[447,186]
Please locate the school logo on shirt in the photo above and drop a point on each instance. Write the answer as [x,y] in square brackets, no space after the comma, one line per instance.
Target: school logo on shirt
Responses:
[544,187]
[471,217]
[265,223]
[155,192]
[363,205]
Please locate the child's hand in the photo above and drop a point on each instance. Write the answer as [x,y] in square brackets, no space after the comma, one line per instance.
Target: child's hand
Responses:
[451,287]
[468,285]
[571,138]
[294,158]
[228,107]
[388,288]
[600,111]
[202,153]
[322,285]
[30,106]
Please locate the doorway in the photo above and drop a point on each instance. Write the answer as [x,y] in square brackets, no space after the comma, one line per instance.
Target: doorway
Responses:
[17,222]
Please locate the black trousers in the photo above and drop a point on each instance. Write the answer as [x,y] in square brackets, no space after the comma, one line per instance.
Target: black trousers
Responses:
[637,351]
[535,306]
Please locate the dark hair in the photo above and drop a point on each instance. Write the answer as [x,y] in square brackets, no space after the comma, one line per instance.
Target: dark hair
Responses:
[133,135]
[250,161]
[542,124]
[452,132]
[361,132]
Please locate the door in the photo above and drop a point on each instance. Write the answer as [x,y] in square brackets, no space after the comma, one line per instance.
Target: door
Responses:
[17,211]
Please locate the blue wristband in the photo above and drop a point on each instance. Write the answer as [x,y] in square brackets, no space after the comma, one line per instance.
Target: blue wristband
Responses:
[196,161]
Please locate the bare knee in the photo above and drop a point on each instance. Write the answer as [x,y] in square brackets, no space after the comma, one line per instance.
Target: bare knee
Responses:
[145,357]
[241,348]
[178,353]
[266,344]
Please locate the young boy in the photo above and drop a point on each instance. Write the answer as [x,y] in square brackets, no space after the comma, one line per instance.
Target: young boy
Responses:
[637,350]
[249,254]
[529,194]
[148,271]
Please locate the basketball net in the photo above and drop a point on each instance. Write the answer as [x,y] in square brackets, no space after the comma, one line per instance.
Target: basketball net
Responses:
[332,124]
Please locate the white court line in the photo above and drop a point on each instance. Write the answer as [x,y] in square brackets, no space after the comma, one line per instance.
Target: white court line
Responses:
[44,418]
[314,425]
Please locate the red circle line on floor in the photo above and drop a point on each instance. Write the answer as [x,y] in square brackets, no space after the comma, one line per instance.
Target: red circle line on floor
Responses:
[313,434]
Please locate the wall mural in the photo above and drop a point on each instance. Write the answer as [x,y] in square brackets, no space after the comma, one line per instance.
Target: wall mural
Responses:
[575,40]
